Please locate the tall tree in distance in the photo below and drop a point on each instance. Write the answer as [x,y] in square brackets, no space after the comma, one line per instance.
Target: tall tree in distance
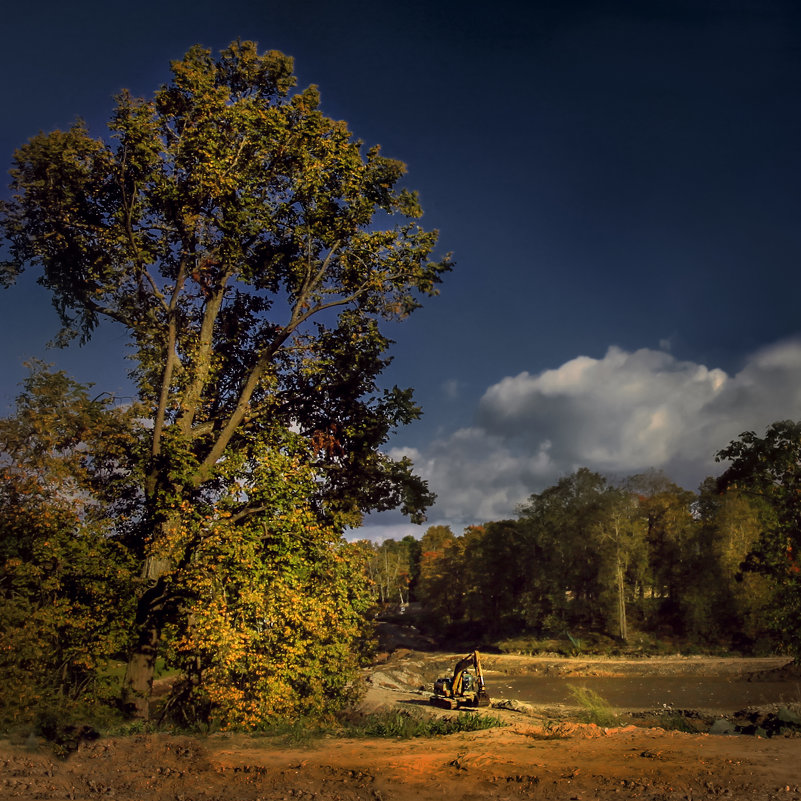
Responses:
[563,527]
[389,568]
[435,584]
[251,247]
[767,471]
[730,526]
[667,510]
[620,531]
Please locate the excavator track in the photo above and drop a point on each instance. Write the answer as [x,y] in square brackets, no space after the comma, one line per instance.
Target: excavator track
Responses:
[442,702]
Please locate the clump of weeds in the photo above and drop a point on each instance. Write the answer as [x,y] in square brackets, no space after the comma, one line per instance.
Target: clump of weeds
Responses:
[594,708]
[404,724]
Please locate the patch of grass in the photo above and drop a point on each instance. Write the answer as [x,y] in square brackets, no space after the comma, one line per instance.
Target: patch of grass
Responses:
[529,645]
[584,643]
[594,708]
[572,644]
[395,723]
[405,725]
[130,728]
[301,731]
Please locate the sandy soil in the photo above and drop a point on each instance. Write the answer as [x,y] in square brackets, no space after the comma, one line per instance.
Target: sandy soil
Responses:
[528,758]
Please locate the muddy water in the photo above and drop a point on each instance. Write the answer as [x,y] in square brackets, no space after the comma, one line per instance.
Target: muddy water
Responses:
[711,693]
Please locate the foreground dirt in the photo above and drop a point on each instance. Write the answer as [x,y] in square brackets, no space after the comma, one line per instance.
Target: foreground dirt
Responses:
[529,758]
[580,762]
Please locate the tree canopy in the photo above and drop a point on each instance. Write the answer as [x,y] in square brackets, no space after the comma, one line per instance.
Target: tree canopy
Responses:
[252,247]
[633,561]
[767,470]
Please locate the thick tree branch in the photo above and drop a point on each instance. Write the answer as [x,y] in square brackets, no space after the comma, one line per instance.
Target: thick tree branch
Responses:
[170,362]
[298,317]
[203,356]
[241,408]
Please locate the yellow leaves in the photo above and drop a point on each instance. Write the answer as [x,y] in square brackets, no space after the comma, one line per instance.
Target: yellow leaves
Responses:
[272,635]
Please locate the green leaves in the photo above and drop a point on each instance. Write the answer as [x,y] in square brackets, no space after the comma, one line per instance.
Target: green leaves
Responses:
[247,242]
[768,470]
[53,221]
[252,249]
[274,618]
[66,584]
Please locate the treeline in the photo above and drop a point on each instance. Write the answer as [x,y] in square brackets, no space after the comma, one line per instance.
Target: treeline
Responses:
[588,555]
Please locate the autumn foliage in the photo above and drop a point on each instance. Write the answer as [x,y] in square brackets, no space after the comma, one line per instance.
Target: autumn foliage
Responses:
[252,248]
[66,585]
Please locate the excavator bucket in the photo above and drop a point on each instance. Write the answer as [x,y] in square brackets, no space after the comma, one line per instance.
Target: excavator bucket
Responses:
[482,699]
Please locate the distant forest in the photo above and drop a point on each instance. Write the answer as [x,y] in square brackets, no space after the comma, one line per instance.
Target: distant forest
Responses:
[632,560]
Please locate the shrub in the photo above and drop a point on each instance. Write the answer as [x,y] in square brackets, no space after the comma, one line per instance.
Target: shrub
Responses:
[595,709]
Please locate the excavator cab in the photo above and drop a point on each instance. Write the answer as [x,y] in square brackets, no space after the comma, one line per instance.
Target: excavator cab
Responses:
[465,689]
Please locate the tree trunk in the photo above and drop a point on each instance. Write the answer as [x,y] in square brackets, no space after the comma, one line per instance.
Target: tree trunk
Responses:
[621,603]
[137,685]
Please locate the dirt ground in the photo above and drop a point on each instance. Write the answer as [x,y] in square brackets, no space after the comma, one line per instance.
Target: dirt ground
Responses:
[531,757]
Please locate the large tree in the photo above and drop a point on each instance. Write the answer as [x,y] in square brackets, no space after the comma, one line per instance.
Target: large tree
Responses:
[767,471]
[251,246]
[730,524]
[619,533]
[671,530]
[562,526]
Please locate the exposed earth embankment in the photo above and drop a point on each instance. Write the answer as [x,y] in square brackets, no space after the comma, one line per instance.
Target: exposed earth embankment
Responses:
[531,757]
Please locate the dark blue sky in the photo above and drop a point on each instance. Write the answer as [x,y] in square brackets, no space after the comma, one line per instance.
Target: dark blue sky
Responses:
[607,174]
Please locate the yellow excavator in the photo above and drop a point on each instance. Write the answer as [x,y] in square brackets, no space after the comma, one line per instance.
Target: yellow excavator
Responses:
[464,688]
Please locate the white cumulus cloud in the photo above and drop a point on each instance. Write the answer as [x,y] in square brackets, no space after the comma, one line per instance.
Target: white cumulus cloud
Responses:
[621,414]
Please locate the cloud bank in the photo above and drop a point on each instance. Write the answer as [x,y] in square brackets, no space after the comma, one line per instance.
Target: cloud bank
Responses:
[618,415]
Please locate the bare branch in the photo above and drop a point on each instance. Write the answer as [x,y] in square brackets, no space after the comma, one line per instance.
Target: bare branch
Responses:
[236,156]
[310,282]
[156,291]
[247,511]
[127,203]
